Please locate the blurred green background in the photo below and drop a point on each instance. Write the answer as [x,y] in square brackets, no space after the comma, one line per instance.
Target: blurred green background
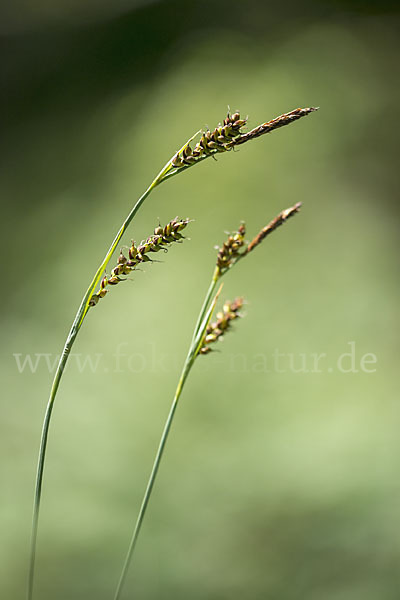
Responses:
[275,484]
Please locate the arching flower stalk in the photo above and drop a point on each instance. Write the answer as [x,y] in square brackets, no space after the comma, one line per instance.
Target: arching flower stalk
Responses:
[225,137]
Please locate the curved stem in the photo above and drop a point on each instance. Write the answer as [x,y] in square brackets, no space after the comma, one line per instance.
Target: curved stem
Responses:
[76,325]
[41,459]
[199,334]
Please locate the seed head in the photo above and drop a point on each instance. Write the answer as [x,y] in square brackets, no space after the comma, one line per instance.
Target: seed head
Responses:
[228,135]
[230,249]
[283,216]
[215,331]
[284,119]
[160,240]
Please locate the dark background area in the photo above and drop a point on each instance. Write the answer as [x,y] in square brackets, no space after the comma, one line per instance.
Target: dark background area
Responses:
[275,484]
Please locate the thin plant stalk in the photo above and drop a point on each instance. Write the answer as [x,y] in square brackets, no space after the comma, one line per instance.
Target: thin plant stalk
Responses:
[199,334]
[72,335]
[189,361]
[207,300]
[225,138]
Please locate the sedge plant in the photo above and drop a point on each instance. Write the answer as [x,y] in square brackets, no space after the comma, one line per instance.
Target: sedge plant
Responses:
[227,136]
[205,334]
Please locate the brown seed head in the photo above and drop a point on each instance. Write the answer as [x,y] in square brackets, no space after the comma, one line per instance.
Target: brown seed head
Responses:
[215,331]
[229,135]
[274,224]
[281,121]
[160,240]
[230,249]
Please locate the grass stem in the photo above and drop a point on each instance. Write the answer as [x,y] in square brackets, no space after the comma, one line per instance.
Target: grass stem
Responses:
[76,325]
[153,475]
[224,139]
[198,336]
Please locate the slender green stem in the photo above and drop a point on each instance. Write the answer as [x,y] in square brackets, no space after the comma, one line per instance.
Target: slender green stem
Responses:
[185,372]
[210,293]
[166,173]
[41,459]
[76,325]
[198,336]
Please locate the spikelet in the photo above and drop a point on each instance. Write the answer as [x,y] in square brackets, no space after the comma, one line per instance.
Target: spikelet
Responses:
[230,249]
[281,121]
[279,220]
[216,330]
[211,142]
[229,135]
[160,240]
